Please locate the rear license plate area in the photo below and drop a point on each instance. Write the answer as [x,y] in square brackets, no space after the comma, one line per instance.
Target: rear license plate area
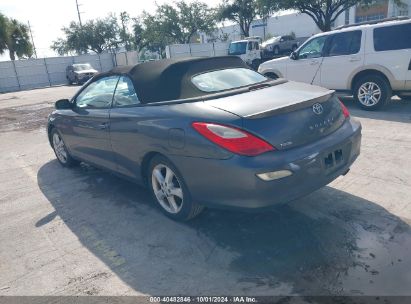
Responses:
[334,159]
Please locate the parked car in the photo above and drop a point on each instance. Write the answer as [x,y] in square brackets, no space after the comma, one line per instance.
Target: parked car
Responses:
[79,73]
[248,50]
[207,132]
[370,61]
[280,45]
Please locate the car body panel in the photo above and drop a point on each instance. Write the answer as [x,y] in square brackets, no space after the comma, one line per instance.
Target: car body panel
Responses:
[238,186]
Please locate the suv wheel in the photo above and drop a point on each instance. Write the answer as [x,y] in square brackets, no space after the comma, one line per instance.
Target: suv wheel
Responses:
[169,190]
[372,92]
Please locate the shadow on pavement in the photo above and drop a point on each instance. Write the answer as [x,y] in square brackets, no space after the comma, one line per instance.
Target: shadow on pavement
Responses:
[330,242]
[397,110]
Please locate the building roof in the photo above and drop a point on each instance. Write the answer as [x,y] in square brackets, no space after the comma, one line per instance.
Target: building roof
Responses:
[170,79]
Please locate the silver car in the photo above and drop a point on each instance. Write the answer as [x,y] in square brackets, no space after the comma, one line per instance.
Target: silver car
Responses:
[79,73]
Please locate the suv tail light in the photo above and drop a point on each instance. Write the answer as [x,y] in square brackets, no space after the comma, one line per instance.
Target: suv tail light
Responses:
[233,139]
[345,110]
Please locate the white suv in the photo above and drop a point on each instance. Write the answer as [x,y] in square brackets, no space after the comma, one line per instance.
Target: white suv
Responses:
[370,61]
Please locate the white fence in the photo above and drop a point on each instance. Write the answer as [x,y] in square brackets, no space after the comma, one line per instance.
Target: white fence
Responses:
[38,73]
[197,49]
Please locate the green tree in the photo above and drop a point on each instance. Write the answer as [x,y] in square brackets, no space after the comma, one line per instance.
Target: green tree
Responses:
[97,35]
[3,33]
[323,12]
[125,37]
[242,12]
[177,23]
[17,39]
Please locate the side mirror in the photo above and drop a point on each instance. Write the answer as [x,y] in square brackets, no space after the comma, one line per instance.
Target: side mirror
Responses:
[63,104]
[294,56]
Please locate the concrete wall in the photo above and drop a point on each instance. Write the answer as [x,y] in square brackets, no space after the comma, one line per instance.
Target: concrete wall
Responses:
[43,72]
[197,49]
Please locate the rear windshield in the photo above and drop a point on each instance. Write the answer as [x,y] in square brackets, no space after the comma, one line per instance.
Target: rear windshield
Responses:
[226,79]
[395,37]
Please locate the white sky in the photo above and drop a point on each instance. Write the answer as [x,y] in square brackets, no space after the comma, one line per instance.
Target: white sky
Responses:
[47,17]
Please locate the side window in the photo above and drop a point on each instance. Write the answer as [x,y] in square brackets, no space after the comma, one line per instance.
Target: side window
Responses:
[395,37]
[98,94]
[125,94]
[347,43]
[256,46]
[250,46]
[313,48]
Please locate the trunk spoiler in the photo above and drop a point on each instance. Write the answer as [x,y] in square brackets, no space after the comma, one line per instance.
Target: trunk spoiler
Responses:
[291,107]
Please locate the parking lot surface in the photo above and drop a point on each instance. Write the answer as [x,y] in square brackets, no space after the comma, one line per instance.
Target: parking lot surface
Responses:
[86,232]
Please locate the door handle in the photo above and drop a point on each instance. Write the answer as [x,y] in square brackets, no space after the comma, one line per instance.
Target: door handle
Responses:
[353,59]
[103,126]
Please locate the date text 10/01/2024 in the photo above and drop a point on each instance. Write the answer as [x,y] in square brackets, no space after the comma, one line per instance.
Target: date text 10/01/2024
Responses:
[203,299]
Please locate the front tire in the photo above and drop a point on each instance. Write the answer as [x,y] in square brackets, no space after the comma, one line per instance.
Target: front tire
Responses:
[62,154]
[169,190]
[372,92]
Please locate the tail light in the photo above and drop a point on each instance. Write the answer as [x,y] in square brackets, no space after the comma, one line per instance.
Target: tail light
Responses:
[345,110]
[233,139]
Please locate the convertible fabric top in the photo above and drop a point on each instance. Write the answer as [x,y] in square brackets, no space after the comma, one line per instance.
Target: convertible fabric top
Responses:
[170,79]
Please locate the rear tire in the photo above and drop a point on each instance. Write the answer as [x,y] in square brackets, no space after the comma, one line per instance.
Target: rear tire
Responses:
[62,154]
[372,92]
[169,190]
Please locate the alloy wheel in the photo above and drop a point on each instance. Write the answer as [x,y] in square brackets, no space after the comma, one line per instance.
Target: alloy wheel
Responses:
[59,148]
[369,94]
[167,188]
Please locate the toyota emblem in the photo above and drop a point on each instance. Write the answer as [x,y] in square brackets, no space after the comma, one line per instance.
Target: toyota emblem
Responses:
[317,108]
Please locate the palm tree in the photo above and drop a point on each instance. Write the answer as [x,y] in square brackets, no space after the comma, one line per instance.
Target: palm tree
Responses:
[3,33]
[18,39]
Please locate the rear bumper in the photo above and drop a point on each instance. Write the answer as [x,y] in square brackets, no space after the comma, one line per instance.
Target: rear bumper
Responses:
[234,182]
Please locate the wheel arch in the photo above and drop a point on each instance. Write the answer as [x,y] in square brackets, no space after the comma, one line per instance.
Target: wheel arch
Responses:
[272,71]
[50,127]
[145,162]
[375,70]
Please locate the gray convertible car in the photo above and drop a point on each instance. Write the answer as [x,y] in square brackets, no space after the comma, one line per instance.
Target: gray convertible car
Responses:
[207,132]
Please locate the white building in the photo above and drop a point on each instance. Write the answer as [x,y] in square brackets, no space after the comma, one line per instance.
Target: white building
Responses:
[303,26]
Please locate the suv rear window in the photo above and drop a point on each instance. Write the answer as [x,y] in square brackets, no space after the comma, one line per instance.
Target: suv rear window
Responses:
[395,37]
[226,79]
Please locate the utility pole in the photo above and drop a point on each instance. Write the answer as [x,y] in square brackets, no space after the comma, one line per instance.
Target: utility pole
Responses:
[32,40]
[78,13]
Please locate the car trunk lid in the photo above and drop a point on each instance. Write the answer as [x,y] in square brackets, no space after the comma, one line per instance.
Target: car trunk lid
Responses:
[286,115]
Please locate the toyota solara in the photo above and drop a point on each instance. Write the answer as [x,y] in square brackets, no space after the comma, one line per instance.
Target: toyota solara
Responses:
[207,132]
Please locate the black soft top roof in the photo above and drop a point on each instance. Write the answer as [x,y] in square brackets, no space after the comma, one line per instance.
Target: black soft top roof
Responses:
[170,79]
